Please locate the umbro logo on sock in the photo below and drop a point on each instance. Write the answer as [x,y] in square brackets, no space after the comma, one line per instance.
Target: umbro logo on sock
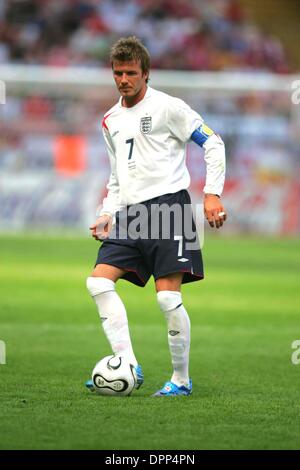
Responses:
[103,319]
[173,332]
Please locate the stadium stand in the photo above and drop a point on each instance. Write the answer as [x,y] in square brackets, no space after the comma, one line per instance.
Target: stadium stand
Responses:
[53,164]
[194,35]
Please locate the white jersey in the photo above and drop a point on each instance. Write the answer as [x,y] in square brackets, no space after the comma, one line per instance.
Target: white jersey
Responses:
[147,149]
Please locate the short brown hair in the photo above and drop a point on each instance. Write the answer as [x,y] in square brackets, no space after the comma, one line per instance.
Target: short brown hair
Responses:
[128,49]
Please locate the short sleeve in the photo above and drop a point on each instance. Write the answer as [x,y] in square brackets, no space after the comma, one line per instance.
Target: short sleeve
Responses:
[182,120]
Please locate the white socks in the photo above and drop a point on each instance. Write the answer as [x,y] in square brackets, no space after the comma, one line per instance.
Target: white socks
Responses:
[114,321]
[113,316]
[179,326]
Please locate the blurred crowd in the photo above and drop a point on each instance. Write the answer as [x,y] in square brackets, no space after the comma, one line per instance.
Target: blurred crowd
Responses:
[30,124]
[195,35]
[53,161]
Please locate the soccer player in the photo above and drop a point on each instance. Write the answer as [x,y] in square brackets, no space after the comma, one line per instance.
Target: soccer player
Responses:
[146,134]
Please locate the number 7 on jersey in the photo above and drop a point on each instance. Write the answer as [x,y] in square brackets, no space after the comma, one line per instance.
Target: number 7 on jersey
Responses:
[130,141]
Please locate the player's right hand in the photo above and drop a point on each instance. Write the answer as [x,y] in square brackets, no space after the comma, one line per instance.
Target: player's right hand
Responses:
[101,228]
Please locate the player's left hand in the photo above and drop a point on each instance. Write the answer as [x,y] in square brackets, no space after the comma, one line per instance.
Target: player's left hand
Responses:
[214,210]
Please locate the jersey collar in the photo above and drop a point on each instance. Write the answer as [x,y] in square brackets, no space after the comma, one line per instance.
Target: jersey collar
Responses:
[147,94]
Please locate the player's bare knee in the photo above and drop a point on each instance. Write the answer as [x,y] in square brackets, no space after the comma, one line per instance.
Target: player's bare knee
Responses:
[169,300]
[109,272]
[99,285]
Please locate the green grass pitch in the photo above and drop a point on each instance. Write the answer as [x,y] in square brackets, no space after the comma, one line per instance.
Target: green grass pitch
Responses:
[244,315]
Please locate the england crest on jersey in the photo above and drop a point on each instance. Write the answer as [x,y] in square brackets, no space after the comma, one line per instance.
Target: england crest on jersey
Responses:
[146,124]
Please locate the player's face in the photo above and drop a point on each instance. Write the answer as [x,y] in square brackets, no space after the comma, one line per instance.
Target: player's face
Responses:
[130,80]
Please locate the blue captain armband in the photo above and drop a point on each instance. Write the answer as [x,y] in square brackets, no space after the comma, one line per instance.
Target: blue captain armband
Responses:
[201,135]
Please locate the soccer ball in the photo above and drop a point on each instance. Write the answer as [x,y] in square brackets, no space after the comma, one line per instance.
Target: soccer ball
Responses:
[114,375]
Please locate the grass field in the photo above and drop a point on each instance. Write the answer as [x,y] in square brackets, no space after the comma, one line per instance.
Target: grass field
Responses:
[245,316]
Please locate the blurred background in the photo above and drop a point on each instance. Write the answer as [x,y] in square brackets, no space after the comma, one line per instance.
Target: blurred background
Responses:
[234,61]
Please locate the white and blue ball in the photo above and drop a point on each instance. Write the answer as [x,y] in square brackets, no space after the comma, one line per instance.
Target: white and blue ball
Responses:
[114,375]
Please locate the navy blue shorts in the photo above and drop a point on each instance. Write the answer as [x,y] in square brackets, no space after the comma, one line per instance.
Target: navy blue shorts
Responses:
[157,237]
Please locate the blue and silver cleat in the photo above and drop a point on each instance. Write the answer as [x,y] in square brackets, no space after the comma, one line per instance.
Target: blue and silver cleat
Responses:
[172,390]
[139,376]
[89,384]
